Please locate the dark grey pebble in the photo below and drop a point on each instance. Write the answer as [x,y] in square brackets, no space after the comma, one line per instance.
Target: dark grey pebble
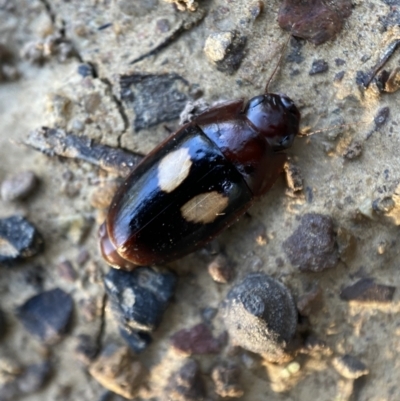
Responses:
[261,316]
[350,367]
[381,117]
[312,246]
[85,70]
[339,62]
[361,78]
[86,349]
[353,151]
[339,76]
[19,239]
[155,98]
[47,315]
[137,341]
[318,67]
[186,384]
[140,297]
[366,290]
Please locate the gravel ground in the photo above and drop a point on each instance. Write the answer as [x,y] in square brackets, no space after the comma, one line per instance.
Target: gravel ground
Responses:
[119,74]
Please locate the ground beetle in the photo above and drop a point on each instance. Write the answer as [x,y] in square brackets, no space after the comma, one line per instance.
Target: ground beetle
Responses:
[199,181]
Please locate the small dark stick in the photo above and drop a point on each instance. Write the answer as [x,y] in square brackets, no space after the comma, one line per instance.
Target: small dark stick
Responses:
[382,61]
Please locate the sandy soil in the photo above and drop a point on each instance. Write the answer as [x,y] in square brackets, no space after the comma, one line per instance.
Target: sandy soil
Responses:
[341,188]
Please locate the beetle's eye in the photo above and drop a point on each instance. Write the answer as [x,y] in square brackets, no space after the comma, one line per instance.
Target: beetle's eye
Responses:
[288,104]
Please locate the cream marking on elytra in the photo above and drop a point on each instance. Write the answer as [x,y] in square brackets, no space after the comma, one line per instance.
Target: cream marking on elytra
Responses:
[204,208]
[173,169]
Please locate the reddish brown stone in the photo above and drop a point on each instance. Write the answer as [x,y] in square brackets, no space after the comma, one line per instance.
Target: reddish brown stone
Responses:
[314,20]
[312,246]
[196,340]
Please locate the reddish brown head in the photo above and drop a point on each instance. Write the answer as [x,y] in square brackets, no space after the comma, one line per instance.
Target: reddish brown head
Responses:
[275,117]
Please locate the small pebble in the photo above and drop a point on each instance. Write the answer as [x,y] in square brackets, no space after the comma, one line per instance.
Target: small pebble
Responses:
[66,271]
[86,349]
[47,315]
[350,367]
[353,151]
[261,316]
[18,186]
[163,25]
[19,239]
[294,178]
[118,371]
[186,384]
[339,62]
[312,246]
[85,70]
[155,98]
[255,9]
[366,290]
[220,270]
[383,205]
[290,370]
[137,341]
[140,297]
[225,50]
[381,117]
[339,76]
[310,302]
[313,20]
[361,78]
[90,308]
[313,345]
[318,67]
[226,377]
[30,380]
[196,340]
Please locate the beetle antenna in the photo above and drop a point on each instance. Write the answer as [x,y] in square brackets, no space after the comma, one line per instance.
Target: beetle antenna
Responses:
[304,133]
[277,64]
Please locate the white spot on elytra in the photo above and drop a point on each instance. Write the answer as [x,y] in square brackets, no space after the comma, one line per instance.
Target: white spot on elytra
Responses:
[173,169]
[204,208]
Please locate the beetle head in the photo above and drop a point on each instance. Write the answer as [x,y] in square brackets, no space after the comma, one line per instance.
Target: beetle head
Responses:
[275,117]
